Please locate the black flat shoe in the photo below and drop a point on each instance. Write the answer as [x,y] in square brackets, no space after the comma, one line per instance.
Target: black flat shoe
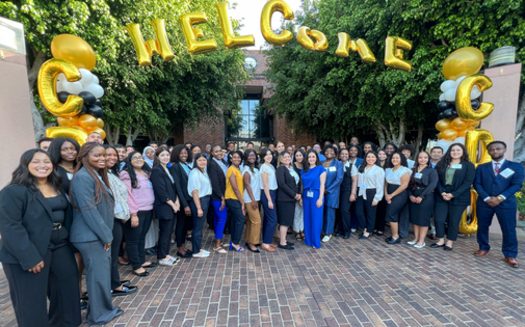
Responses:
[447,248]
[143,274]
[392,240]
[83,305]
[379,233]
[290,243]
[363,237]
[125,291]
[347,236]
[151,265]
[338,235]
[286,247]
[254,251]
[123,282]
[435,245]
[185,255]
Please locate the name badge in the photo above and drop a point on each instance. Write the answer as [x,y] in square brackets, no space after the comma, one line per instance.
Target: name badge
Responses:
[150,185]
[507,173]
[332,169]
[456,166]
[310,194]
[118,208]
[69,176]
[418,175]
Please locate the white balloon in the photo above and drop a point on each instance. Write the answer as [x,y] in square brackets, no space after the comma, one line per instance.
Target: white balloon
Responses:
[450,95]
[447,85]
[442,97]
[459,80]
[95,79]
[61,77]
[94,89]
[87,77]
[72,87]
[475,93]
[60,87]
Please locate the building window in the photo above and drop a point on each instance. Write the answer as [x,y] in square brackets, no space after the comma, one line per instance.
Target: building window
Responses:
[250,122]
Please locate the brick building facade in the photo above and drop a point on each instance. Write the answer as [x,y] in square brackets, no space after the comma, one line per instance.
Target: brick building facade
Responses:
[269,128]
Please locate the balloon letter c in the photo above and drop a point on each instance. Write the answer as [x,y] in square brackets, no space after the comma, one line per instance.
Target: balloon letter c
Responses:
[266,22]
[463,105]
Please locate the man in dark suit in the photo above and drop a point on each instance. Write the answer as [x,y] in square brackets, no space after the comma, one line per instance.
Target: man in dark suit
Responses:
[496,183]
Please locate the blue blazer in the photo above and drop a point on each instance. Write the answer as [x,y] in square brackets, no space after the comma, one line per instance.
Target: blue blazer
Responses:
[333,183]
[488,184]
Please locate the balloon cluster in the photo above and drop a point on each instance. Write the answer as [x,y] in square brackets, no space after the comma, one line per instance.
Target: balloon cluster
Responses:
[69,90]
[452,126]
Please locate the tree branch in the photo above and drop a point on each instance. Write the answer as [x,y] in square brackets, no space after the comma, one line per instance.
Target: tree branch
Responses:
[33,71]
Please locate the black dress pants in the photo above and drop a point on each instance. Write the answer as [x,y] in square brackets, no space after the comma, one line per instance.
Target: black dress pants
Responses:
[115,249]
[182,226]
[442,210]
[237,220]
[29,291]
[344,225]
[165,230]
[366,212]
[135,238]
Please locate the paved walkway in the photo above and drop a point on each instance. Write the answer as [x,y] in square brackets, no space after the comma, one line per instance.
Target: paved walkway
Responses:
[346,283]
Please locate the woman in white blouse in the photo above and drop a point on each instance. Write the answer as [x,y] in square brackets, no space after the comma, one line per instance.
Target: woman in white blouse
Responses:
[371,181]
[396,194]
[252,195]
[199,186]
[268,199]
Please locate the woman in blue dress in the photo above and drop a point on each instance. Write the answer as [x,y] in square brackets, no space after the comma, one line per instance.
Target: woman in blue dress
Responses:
[313,175]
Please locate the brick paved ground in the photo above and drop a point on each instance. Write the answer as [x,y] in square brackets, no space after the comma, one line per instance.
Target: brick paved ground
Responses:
[346,283]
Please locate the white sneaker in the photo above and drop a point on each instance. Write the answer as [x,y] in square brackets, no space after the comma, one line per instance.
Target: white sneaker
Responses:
[203,255]
[411,243]
[326,238]
[206,252]
[353,230]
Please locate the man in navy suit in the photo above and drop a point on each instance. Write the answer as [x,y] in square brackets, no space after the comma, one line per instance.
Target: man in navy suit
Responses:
[496,183]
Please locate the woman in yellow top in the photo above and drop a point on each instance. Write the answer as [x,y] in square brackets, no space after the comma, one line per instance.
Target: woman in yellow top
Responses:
[234,200]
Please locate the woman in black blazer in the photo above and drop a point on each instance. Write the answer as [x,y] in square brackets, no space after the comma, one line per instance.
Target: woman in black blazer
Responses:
[180,172]
[217,173]
[35,218]
[288,192]
[166,205]
[456,175]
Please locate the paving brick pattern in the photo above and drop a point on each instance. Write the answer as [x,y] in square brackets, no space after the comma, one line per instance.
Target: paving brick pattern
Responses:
[346,283]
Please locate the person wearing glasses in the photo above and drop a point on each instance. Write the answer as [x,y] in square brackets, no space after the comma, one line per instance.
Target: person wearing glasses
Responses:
[317,148]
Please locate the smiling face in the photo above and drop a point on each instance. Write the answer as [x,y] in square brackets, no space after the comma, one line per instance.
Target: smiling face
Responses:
[202,162]
[407,153]
[150,153]
[68,152]
[231,147]
[137,161]
[382,155]
[344,155]
[389,149]
[354,141]
[40,166]
[423,159]
[183,155]
[95,137]
[97,157]
[217,152]
[312,159]
[236,159]
[252,157]
[436,154]
[367,147]
[111,157]
[280,147]
[329,153]
[299,157]
[286,159]
[122,154]
[164,157]
[371,159]
[353,153]
[268,157]
[396,160]
[456,152]
[195,151]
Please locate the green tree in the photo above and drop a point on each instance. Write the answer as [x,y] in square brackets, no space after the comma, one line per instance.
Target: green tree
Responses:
[336,97]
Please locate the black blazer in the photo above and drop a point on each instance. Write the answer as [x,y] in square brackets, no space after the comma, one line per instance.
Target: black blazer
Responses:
[217,179]
[164,191]
[181,184]
[26,222]
[288,189]
[463,179]
[66,182]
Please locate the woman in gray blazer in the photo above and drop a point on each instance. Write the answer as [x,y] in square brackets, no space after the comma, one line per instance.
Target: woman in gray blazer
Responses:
[91,232]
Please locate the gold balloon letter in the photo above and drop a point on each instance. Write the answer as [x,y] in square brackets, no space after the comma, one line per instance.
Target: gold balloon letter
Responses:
[76,133]
[472,143]
[394,53]
[47,77]
[463,105]
[464,226]
[303,36]
[231,41]
[266,22]
[345,44]
[146,49]
[196,47]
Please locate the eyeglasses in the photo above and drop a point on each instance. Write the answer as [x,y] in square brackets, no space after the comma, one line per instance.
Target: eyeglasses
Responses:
[137,158]
[252,155]
[317,147]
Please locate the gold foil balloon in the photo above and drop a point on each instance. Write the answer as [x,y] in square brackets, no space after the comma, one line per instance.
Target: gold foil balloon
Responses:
[231,41]
[360,46]
[146,49]
[463,62]
[47,77]
[87,122]
[304,37]
[196,47]
[464,226]
[443,124]
[68,121]
[450,134]
[76,133]
[100,123]
[394,58]
[459,124]
[73,49]
[463,101]
[100,131]
[472,144]
[474,123]
[266,22]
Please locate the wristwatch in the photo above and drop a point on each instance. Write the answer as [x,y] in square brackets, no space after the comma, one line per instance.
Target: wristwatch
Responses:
[500,198]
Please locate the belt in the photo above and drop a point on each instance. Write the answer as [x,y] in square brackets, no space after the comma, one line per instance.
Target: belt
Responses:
[57,226]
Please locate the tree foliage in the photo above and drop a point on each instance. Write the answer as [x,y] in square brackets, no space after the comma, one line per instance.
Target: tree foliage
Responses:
[153,100]
[335,98]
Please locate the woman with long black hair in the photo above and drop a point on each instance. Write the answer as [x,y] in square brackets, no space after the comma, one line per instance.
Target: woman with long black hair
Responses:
[268,199]
[91,231]
[35,217]
[456,175]
[252,195]
[234,200]
[140,202]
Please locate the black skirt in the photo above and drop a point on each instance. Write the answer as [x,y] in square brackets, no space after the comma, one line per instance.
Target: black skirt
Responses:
[398,202]
[285,212]
[420,213]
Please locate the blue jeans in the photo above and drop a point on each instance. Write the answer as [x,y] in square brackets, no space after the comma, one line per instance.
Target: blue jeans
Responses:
[270,216]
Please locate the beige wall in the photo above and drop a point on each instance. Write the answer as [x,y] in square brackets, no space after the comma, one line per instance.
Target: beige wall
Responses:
[16,121]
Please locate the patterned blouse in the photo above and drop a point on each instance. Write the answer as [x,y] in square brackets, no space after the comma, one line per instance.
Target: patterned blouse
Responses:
[120,192]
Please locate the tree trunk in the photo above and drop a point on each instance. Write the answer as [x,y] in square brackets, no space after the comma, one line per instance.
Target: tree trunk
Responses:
[391,134]
[380,130]
[132,136]
[112,134]
[32,75]
[519,144]
[419,139]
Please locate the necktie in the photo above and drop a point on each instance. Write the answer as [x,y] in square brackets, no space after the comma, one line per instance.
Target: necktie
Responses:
[496,170]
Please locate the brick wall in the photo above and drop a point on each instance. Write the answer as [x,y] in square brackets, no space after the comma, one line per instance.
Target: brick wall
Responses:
[211,131]
[284,133]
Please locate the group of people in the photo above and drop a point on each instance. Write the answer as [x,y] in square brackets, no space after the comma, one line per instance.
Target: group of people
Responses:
[71,209]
